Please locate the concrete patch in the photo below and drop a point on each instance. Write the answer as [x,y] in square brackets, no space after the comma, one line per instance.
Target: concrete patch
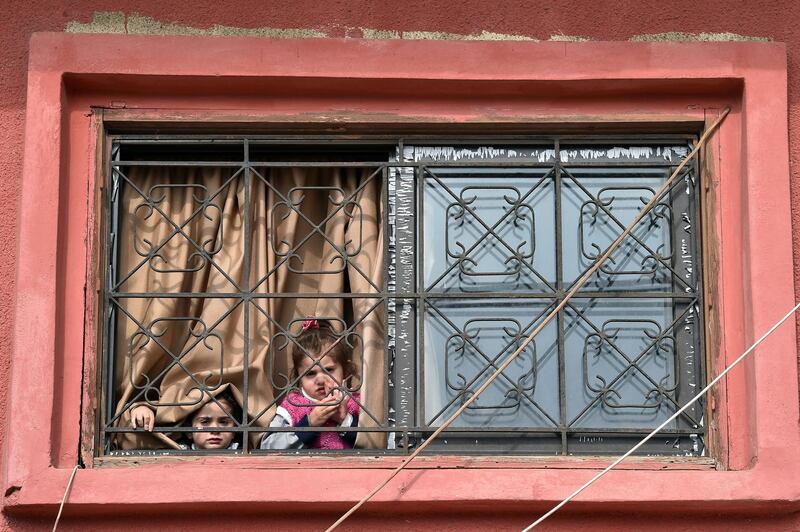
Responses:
[135,24]
[444,36]
[695,37]
[560,37]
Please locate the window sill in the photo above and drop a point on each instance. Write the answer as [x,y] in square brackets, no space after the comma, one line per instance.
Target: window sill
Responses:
[180,486]
[672,463]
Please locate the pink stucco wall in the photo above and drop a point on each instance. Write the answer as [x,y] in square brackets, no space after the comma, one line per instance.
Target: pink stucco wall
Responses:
[776,20]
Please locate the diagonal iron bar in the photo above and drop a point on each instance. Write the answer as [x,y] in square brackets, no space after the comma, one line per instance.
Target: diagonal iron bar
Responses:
[586,276]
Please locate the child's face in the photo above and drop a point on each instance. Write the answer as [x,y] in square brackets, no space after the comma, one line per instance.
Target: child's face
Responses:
[317,383]
[211,415]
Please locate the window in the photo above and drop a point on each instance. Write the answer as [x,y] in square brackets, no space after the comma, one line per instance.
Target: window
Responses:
[319,85]
[433,259]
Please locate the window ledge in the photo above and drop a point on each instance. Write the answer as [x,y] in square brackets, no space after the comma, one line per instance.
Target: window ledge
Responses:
[672,463]
[178,488]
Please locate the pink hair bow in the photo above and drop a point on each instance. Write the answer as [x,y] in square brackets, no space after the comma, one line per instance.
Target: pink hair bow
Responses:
[310,324]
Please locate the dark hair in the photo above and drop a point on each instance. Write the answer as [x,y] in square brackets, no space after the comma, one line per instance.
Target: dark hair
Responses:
[234,410]
[323,339]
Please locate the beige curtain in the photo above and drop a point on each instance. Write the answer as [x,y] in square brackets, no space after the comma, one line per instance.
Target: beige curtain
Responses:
[173,353]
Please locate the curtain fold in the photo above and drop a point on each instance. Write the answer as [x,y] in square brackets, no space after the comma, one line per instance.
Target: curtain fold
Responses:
[296,234]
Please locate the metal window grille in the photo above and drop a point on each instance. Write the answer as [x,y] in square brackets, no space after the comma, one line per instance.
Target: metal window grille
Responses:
[484,237]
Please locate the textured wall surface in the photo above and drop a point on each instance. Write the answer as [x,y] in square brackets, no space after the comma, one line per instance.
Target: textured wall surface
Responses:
[411,19]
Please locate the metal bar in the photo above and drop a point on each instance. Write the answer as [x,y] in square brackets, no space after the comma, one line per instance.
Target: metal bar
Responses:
[421,306]
[497,163]
[611,294]
[471,431]
[697,241]
[385,230]
[248,183]
[407,275]
[562,370]
[362,139]
[109,323]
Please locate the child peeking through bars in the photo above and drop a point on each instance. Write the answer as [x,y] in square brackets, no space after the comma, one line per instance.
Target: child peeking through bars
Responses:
[321,365]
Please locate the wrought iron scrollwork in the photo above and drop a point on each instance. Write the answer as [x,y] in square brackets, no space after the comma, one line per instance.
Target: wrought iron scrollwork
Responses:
[466,343]
[292,204]
[597,210]
[198,259]
[662,345]
[517,214]
[198,337]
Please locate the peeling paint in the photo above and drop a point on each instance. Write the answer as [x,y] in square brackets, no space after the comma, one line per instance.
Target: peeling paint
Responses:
[444,36]
[696,37]
[560,37]
[370,33]
[135,24]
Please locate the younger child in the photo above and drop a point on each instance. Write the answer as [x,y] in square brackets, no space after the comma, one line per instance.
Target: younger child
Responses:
[323,364]
[212,415]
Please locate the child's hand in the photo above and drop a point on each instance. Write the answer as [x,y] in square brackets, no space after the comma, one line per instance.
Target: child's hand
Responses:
[320,414]
[341,408]
[143,416]
[331,409]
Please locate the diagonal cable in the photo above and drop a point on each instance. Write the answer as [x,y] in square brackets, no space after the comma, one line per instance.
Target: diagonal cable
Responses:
[665,423]
[584,278]
[598,202]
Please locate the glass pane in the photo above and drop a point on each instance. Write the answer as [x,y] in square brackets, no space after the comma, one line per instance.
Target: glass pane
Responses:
[597,205]
[489,230]
[465,342]
[625,360]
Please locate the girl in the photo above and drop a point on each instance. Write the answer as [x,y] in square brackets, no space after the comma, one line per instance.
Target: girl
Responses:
[322,362]
[215,416]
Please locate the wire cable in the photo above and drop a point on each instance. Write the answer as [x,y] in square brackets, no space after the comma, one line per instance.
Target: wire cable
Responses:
[664,424]
[66,494]
[577,286]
